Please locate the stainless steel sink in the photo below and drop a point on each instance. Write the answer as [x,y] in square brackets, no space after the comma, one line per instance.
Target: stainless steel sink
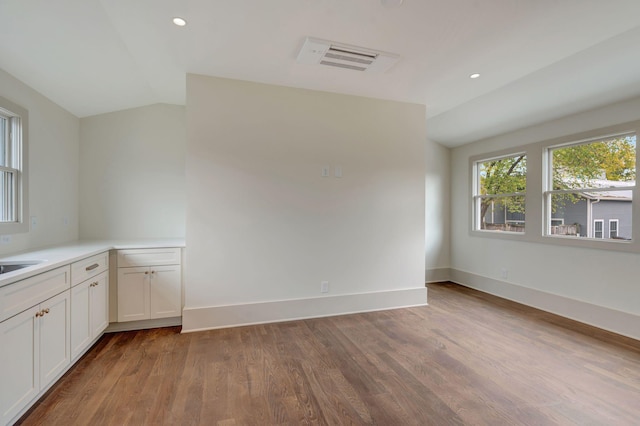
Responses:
[14,265]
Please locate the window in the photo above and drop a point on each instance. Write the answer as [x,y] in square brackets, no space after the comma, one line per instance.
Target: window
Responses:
[598,232]
[568,183]
[613,228]
[499,193]
[588,180]
[13,176]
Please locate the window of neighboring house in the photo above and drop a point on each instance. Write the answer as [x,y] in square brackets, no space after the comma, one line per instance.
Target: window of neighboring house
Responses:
[589,179]
[499,193]
[598,226]
[613,228]
[13,177]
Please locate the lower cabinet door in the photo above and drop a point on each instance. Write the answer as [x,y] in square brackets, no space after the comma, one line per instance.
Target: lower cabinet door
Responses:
[99,304]
[165,291]
[133,294]
[19,364]
[55,330]
[89,312]
[80,319]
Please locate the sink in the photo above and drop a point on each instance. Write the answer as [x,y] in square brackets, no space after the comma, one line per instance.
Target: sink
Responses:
[14,265]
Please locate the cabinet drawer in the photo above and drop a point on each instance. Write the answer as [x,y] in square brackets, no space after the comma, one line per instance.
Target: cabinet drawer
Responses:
[148,257]
[84,269]
[15,298]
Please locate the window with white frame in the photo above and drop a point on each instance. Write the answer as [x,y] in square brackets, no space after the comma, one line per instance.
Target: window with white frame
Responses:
[598,228]
[591,179]
[13,178]
[613,228]
[499,193]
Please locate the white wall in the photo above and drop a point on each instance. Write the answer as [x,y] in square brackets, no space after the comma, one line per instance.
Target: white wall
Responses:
[437,212]
[53,168]
[595,286]
[132,164]
[264,227]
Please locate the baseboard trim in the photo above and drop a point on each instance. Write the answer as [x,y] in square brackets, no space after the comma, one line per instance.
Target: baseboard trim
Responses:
[143,324]
[437,275]
[214,317]
[619,322]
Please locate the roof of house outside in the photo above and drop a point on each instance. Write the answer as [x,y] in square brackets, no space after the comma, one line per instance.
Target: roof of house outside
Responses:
[624,195]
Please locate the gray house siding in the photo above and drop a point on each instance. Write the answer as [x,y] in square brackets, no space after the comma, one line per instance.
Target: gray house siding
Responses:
[607,210]
[568,213]
[497,215]
[573,213]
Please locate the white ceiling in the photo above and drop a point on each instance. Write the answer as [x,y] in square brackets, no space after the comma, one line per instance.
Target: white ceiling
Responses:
[538,59]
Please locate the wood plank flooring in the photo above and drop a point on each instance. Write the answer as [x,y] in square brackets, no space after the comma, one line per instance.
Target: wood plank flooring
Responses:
[467,358]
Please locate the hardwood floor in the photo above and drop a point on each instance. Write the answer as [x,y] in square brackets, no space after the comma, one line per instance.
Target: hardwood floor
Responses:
[468,358]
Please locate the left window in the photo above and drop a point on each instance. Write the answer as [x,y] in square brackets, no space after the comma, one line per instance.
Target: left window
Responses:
[13,166]
[499,193]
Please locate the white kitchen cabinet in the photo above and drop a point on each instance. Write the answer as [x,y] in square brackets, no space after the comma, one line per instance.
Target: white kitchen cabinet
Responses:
[89,301]
[35,351]
[89,312]
[133,294]
[165,295]
[149,284]
[19,366]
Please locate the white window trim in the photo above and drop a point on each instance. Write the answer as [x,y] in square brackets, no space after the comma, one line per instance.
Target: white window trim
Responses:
[617,222]
[601,222]
[22,175]
[477,198]
[537,181]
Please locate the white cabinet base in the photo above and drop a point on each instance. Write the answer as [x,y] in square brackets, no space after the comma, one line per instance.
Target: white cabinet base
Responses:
[89,312]
[149,284]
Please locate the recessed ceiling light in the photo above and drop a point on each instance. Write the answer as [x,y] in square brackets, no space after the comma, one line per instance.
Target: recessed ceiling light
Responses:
[391,3]
[476,75]
[179,21]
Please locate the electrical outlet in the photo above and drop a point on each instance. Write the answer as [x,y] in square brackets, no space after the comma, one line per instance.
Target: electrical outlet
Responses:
[34,222]
[5,239]
[324,286]
[504,273]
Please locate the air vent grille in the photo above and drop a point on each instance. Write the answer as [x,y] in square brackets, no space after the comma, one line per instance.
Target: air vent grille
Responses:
[315,51]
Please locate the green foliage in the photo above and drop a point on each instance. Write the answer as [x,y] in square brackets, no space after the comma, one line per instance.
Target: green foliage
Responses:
[577,166]
[504,176]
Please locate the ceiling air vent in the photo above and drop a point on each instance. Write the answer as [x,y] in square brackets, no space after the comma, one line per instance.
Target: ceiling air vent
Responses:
[316,51]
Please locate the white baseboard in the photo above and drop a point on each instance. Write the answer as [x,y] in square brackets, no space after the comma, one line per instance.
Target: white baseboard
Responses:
[213,317]
[143,324]
[437,275]
[602,317]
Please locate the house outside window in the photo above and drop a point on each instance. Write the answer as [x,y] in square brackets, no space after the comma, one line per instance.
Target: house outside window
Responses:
[499,193]
[13,166]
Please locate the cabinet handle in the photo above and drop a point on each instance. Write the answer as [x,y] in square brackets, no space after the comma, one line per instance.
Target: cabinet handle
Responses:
[92,267]
[153,272]
[42,312]
[146,272]
[93,284]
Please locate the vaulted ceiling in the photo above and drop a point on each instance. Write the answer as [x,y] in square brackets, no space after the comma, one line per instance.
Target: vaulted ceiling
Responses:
[538,60]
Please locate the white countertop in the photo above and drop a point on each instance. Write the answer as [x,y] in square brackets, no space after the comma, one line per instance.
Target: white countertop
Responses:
[64,254]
